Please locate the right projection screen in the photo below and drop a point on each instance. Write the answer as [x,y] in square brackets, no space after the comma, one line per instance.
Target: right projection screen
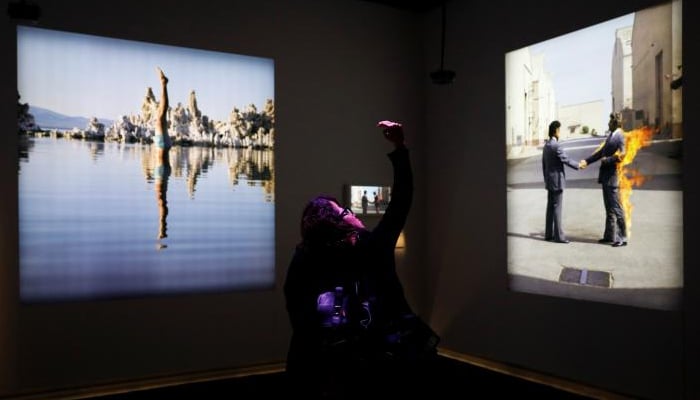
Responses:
[629,68]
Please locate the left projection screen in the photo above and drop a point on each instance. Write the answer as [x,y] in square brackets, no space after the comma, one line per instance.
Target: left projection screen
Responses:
[122,194]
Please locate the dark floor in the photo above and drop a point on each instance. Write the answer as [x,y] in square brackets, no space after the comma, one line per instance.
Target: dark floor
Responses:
[454,380]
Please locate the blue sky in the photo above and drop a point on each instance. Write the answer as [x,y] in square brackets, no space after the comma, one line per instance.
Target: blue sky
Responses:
[84,75]
[580,63]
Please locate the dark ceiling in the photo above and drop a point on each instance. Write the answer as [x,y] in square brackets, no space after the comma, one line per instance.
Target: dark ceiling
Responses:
[418,6]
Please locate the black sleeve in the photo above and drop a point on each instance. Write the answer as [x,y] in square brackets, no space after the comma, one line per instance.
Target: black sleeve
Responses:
[392,222]
[564,158]
[616,154]
[597,155]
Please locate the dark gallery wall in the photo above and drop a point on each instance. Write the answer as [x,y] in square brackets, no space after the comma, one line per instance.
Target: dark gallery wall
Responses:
[339,68]
[8,228]
[630,350]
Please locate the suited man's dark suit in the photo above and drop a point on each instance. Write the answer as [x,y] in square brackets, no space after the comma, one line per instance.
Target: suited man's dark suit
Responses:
[553,160]
[615,227]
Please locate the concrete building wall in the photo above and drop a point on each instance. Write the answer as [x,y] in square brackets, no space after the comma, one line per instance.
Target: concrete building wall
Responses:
[622,70]
[530,99]
[653,55]
[575,117]
[518,77]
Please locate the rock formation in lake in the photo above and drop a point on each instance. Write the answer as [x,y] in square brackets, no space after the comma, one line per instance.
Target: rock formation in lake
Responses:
[189,125]
[95,129]
[186,125]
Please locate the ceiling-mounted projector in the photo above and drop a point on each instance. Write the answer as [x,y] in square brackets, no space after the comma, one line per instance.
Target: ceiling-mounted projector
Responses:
[442,76]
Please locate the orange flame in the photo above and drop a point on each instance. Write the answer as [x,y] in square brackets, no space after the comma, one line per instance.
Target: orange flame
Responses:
[629,177]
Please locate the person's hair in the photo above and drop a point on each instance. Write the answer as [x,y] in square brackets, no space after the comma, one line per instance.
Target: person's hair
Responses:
[320,225]
[553,126]
[614,123]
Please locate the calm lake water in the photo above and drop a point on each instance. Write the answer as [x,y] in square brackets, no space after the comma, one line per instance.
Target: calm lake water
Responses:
[107,220]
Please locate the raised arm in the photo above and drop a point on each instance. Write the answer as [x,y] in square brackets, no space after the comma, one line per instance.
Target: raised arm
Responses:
[393,220]
[564,158]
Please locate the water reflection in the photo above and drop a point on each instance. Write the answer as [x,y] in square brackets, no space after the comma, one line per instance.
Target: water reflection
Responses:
[162,174]
[96,149]
[193,163]
[91,214]
[254,166]
[24,148]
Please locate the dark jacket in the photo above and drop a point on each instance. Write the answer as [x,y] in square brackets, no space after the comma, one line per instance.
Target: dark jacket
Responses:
[553,160]
[367,273]
[610,154]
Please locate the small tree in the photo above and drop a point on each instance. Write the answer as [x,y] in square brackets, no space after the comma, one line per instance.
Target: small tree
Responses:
[25,120]
[585,129]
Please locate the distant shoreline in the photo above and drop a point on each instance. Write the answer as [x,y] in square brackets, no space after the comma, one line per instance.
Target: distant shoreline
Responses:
[78,134]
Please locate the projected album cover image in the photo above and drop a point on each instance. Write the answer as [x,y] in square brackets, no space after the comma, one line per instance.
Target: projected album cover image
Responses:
[122,193]
[628,68]
[366,200]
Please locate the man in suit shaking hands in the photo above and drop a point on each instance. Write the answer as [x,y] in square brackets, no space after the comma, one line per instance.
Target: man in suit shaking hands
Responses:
[553,160]
[610,155]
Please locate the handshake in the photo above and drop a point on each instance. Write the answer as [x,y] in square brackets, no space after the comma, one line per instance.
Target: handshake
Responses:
[582,164]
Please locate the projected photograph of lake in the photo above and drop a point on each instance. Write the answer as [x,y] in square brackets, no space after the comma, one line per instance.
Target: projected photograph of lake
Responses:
[104,212]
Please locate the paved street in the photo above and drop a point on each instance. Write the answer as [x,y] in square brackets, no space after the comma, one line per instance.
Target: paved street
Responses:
[647,273]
